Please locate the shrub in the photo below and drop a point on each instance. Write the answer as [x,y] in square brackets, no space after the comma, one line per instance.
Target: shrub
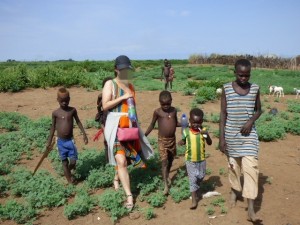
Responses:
[157,199]
[82,205]
[19,212]
[112,202]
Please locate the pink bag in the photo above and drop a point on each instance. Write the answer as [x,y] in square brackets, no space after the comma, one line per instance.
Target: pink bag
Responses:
[128,134]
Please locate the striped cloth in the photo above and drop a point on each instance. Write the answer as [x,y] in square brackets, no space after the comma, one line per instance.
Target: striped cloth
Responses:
[240,108]
[195,145]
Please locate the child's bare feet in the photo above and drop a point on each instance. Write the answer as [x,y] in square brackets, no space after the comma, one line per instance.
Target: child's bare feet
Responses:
[233,197]
[194,200]
[251,214]
[166,190]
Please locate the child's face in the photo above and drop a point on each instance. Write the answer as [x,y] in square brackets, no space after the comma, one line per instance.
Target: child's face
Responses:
[243,74]
[165,104]
[196,122]
[63,101]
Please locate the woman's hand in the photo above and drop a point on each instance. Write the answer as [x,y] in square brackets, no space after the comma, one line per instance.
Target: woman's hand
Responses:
[127,95]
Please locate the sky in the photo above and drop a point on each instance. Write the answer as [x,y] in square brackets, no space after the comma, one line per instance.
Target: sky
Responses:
[35,30]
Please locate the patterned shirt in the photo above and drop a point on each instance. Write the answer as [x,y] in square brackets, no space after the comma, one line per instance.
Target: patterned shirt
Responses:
[195,145]
[240,108]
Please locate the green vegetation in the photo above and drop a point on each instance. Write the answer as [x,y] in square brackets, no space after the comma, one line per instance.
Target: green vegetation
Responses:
[20,136]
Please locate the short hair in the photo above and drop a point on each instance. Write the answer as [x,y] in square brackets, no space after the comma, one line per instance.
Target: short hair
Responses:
[106,79]
[196,112]
[165,95]
[242,62]
[63,92]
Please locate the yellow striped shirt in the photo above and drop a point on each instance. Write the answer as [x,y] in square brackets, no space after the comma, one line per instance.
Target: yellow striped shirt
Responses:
[195,146]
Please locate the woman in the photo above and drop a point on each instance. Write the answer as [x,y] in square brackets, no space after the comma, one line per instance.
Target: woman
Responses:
[114,99]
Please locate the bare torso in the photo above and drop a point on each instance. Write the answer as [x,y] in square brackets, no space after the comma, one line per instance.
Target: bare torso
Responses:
[167,122]
[64,121]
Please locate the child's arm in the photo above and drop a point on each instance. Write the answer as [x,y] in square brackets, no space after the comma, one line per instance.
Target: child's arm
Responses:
[223,115]
[246,129]
[183,139]
[52,130]
[80,126]
[207,138]
[178,124]
[152,124]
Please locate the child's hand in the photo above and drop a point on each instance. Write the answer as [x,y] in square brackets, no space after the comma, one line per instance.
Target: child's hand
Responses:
[181,142]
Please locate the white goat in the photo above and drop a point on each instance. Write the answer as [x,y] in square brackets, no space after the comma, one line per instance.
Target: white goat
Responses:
[297,92]
[276,90]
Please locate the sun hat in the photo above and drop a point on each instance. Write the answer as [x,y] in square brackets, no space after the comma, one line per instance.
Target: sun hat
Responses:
[123,62]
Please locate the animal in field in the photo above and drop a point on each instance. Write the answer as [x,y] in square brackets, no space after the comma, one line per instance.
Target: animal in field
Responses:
[297,92]
[276,90]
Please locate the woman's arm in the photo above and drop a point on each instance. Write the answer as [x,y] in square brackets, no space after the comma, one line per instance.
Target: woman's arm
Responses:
[107,95]
[223,115]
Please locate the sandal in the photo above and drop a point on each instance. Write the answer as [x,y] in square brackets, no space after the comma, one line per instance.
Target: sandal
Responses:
[129,206]
[116,184]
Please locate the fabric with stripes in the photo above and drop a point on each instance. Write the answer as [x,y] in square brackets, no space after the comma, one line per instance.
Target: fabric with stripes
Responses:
[130,149]
[240,108]
[195,145]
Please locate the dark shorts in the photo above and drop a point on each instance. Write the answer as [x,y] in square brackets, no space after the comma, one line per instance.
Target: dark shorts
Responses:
[67,149]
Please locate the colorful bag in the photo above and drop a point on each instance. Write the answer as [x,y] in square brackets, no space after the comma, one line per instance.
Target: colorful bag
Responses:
[128,134]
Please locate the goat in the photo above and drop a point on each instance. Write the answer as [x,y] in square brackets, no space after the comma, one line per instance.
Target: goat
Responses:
[297,92]
[276,90]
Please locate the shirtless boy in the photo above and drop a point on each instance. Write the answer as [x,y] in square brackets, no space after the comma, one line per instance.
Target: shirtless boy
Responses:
[62,122]
[166,116]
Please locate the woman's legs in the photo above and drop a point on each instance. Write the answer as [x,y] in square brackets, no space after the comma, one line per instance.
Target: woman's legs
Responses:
[124,177]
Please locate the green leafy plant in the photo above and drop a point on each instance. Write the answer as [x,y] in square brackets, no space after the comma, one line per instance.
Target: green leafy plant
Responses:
[112,202]
[156,199]
[82,205]
[19,212]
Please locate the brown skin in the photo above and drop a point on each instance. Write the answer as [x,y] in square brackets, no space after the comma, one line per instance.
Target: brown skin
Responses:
[166,116]
[241,86]
[62,123]
[196,125]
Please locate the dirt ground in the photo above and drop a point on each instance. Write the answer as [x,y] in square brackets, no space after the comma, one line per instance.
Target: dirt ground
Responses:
[279,180]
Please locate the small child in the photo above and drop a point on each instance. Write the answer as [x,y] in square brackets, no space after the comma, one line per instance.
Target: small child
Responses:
[166,116]
[195,138]
[62,123]
[171,75]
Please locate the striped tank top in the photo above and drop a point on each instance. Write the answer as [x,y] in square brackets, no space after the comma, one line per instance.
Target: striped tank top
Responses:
[122,107]
[240,108]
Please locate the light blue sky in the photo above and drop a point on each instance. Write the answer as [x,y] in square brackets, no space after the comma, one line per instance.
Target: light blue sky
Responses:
[156,29]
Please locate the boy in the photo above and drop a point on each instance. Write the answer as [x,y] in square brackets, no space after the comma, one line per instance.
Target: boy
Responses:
[240,108]
[195,138]
[166,116]
[171,75]
[62,122]
[165,72]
